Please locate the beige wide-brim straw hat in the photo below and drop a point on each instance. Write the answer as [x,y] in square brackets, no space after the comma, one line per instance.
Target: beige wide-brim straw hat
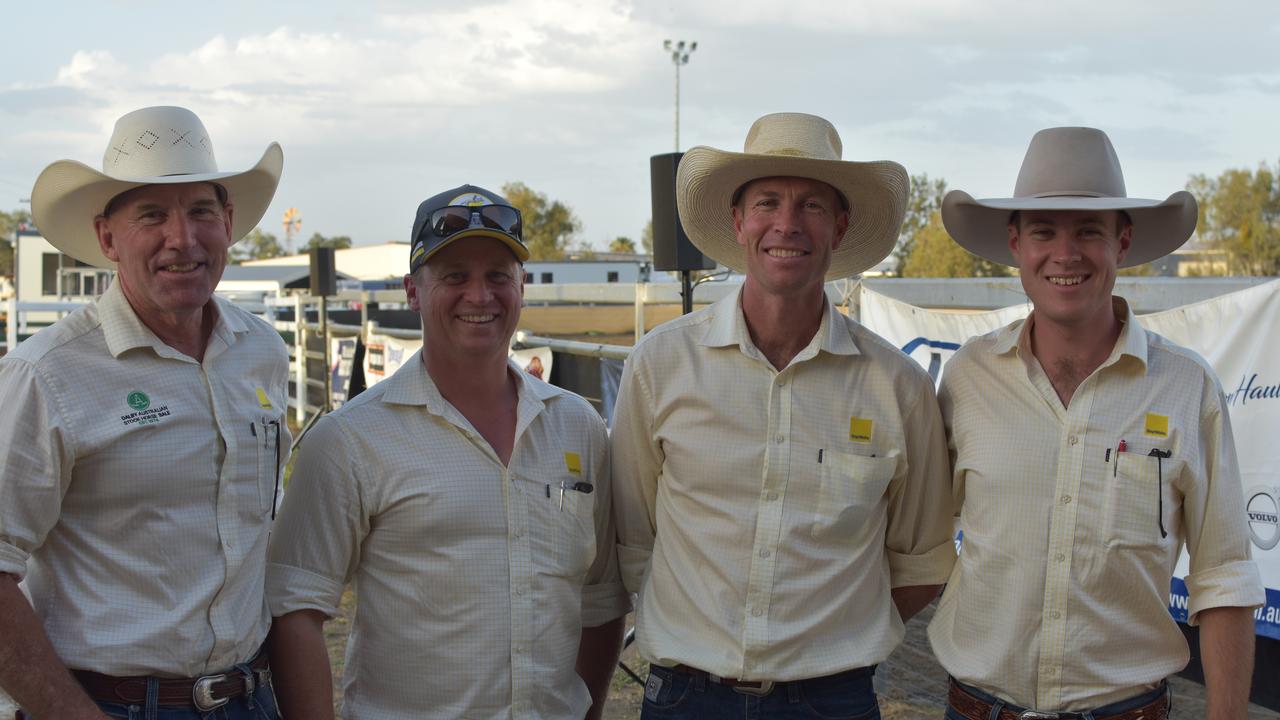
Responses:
[1070,168]
[791,145]
[151,146]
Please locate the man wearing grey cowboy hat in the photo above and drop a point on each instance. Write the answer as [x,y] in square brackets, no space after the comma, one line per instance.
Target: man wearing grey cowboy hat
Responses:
[143,438]
[1086,452]
[468,501]
[781,471]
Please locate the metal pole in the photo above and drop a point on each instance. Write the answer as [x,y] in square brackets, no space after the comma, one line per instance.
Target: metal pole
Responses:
[642,295]
[299,360]
[686,291]
[324,335]
[677,107]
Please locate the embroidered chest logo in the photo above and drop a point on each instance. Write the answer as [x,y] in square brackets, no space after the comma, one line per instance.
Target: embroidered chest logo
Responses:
[143,413]
[573,463]
[860,429]
[1156,426]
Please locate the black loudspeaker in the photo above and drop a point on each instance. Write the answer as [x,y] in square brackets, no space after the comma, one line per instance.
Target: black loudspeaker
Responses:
[324,276]
[671,247]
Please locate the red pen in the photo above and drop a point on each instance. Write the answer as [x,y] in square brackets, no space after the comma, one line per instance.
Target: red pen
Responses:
[1123,446]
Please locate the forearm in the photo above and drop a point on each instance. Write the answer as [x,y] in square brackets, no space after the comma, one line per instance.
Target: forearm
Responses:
[30,671]
[1226,652]
[913,598]
[597,658]
[300,665]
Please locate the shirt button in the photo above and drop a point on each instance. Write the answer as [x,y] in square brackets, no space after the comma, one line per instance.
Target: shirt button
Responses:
[1060,557]
[756,612]
[1073,440]
[782,382]
[765,553]
[771,496]
[779,438]
[519,649]
[1055,615]
[1066,499]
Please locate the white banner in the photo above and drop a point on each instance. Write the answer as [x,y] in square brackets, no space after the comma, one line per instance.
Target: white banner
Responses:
[383,355]
[1239,335]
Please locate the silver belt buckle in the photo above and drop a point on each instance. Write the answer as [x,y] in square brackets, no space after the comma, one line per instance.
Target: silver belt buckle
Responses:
[1035,715]
[766,687]
[202,693]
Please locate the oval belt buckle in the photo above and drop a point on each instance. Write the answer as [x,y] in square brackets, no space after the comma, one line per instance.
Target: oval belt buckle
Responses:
[202,693]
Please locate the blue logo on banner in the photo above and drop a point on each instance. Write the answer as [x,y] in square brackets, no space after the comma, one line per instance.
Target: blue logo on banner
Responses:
[936,348]
[1250,389]
[1266,619]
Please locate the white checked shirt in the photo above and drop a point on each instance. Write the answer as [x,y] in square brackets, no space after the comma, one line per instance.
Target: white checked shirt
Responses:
[1059,599]
[473,579]
[764,515]
[137,487]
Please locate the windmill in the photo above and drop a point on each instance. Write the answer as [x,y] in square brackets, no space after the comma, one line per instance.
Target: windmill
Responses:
[292,223]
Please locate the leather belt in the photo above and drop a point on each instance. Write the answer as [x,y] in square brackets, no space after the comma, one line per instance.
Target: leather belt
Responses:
[758,688]
[203,693]
[974,708]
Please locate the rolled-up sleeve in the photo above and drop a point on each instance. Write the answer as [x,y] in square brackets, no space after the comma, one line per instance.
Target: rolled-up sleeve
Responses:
[918,540]
[316,542]
[636,458]
[1221,573]
[38,460]
[603,596]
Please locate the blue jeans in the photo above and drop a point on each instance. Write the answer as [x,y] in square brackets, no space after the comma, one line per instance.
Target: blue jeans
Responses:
[1100,713]
[680,695]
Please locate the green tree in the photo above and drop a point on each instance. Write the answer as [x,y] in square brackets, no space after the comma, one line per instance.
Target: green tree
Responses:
[935,254]
[257,245]
[622,244]
[1240,215]
[924,200]
[549,225]
[646,238]
[9,224]
[337,242]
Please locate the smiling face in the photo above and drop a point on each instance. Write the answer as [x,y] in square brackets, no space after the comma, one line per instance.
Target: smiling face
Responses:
[1068,261]
[468,296]
[169,243]
[789,227]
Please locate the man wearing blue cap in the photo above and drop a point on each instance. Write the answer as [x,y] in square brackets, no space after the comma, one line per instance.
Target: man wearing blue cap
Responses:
[467,500]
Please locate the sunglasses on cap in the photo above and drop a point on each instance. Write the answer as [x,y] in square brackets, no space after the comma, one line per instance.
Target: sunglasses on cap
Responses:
[453,219]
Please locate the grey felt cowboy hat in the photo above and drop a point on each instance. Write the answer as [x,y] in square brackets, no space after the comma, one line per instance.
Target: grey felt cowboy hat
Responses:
[1070,168]
[792,145]
[151,146]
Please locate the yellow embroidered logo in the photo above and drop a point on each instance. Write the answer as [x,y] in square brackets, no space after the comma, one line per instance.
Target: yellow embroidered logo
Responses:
[1157,426]
[860,429]
[573,463]
[264,402]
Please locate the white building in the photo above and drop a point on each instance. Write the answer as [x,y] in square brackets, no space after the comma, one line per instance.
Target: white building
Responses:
[43,274]
[364,262]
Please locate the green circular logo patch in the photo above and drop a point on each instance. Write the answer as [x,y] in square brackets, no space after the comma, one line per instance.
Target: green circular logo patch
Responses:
[138,400]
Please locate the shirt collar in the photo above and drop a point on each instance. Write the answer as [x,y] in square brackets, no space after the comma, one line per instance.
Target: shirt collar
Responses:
[1132,341]
[123,330]
[413,385]
[728,327]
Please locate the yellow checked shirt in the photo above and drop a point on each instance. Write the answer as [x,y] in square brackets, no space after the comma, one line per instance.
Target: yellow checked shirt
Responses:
[1059,599]
[763,516]
[137,485]
[473,579]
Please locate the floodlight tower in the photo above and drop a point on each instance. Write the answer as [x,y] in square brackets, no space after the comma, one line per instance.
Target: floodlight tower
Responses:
[680,52]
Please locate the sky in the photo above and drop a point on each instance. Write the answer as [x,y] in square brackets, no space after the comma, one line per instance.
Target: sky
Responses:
[380,105]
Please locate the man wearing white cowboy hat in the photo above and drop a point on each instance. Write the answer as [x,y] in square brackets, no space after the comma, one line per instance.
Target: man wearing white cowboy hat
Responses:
[1086,452]
[144,435]
[780,470]
[475,522]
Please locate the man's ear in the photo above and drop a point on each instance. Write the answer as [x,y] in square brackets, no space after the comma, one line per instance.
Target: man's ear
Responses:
[411,292]
[737,224]
[1126,239]
[106,243]
[1013,243]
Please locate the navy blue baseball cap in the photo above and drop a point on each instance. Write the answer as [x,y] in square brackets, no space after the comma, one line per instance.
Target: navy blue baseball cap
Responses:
[464,212]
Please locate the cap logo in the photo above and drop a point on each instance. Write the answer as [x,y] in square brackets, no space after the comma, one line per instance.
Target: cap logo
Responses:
[471,200]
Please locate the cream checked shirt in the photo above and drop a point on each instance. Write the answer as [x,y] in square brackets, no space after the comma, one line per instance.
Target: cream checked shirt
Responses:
[137,485]
[763,516]
[1059,599]
[473,579]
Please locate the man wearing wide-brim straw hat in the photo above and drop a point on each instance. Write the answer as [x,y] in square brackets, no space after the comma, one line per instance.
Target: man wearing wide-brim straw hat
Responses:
[1087,451]
[143,440]
[780,470]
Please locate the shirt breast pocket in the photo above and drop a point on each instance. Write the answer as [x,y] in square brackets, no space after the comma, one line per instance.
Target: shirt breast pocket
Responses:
[562,532]
[850,491]
[1141,503]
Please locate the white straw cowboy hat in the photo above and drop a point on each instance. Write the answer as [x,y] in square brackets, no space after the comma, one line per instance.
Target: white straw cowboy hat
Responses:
[1070,168]
[151,146]
[791,145]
